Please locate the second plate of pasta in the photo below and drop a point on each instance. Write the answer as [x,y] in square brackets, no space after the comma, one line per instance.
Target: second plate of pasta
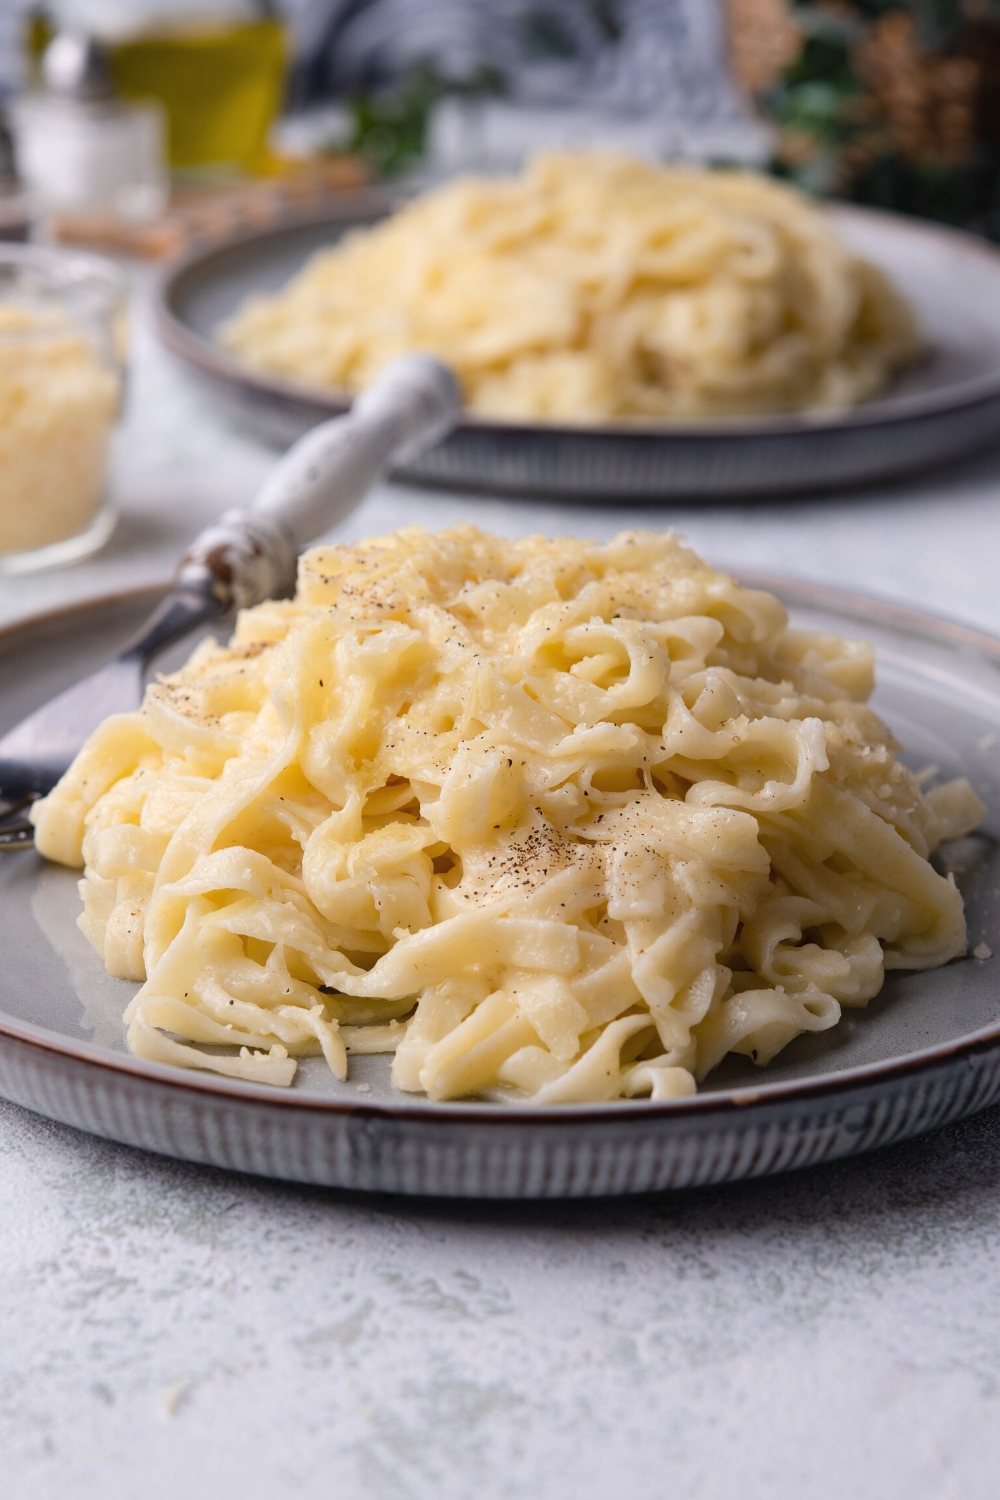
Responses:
[925,379]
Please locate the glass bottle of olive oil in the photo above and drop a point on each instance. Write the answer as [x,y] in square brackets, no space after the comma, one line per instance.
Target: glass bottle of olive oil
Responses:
[218,67]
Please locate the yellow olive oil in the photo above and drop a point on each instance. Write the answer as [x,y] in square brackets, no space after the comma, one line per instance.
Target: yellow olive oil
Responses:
[221,84]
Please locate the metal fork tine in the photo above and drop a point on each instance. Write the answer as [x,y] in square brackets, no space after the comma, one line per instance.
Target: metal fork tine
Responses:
[16,807]
[16,835]
[16,832]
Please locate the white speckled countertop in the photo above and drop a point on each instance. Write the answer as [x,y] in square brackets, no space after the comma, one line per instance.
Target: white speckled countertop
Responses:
[171,1331]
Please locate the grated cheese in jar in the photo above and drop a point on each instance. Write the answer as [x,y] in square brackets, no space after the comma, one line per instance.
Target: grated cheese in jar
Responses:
[58,407]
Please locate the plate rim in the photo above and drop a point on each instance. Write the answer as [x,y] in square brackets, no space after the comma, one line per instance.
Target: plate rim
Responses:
[210,359]
[728,1102]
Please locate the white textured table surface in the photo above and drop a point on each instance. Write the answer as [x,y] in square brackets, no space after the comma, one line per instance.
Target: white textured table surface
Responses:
[167,1330]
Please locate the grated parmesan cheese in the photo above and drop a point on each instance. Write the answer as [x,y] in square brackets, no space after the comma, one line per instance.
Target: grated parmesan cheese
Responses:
[58,408]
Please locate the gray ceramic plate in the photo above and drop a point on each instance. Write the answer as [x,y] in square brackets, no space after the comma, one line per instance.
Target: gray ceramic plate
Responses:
[948,405]
[925,1052]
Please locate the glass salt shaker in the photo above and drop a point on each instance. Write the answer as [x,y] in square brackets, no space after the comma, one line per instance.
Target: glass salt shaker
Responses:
[80,149]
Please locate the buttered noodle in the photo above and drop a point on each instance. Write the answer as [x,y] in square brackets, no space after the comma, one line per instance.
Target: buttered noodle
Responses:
[592,288]
[545,818]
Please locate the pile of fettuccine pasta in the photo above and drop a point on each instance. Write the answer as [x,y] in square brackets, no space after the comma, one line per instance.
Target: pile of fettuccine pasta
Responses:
[596,288]
[547,819]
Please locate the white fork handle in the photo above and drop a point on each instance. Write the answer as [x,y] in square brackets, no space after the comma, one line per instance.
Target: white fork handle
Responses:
[250,555]
[412,404]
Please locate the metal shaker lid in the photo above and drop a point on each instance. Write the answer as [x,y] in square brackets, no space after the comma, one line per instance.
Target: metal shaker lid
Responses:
[8,160]
[75,66]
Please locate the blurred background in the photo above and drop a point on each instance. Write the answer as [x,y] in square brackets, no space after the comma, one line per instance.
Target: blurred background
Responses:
[242,108]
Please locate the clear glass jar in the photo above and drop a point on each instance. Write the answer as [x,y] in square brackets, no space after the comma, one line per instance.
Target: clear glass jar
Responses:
[63,341]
